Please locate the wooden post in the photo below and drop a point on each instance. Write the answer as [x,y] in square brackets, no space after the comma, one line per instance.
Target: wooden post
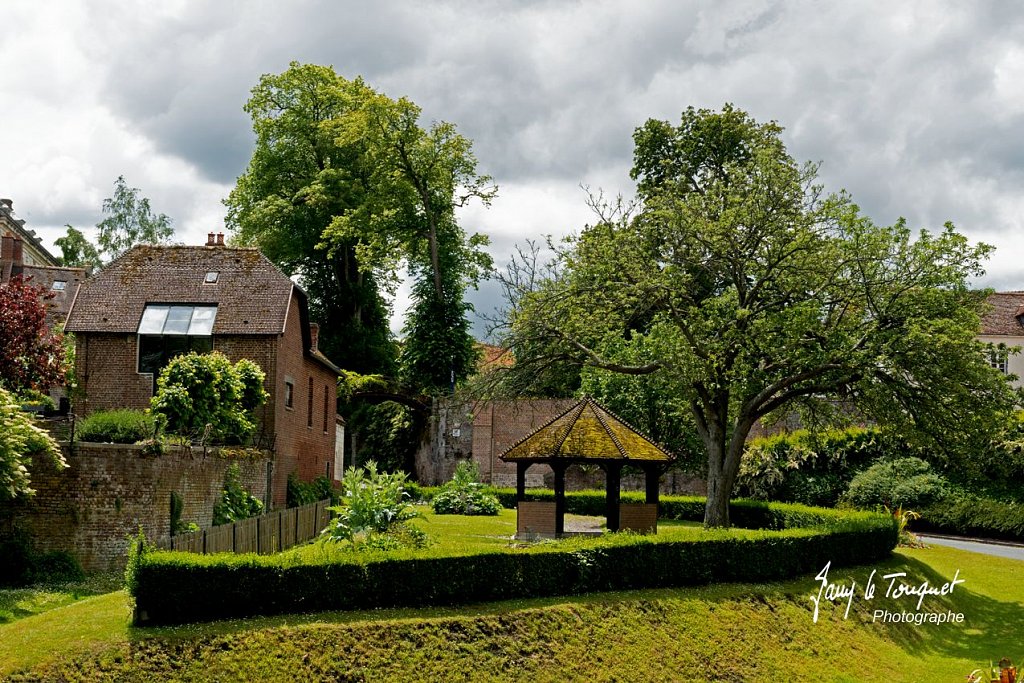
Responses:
[521,480]
[559,468]
[653,473]
[612,478]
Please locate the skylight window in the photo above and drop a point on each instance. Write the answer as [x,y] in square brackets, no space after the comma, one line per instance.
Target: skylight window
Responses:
[178,320]
[59,285]
[211,277]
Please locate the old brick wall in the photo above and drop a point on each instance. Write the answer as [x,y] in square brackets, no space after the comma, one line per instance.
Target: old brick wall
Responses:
[109,491]
[305,437]
[106,366]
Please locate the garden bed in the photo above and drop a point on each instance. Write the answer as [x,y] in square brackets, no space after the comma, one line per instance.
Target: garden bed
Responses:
[782,541]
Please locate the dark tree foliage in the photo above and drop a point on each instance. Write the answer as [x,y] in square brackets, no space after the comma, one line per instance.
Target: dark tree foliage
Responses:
[31,356]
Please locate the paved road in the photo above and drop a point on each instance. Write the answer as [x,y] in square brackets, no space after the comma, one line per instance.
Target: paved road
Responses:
[1014,552]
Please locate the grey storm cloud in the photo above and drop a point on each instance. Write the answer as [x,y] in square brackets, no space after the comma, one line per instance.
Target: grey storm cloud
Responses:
[914,108]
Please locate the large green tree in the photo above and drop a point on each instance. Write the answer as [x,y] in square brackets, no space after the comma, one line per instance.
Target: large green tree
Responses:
[344,185]
[128,221]
[420,177]
[76,250]
[301,180]
[753,292]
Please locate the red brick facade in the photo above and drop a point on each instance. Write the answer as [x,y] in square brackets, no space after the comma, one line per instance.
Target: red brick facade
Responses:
[107,371]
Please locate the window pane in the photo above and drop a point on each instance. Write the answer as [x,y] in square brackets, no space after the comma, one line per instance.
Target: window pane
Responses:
[201,344]
[153,319]
[202,320]
[151,352]
[178,319]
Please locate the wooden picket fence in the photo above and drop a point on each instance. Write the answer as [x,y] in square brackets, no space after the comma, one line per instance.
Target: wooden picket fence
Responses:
[266,534]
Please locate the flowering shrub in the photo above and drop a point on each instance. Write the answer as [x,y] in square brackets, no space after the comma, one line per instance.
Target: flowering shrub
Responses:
[196,390]
[19,441]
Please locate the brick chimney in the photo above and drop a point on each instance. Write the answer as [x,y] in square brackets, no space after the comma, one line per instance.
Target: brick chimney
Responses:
[220,239]
[12,258]
[210,241]
[314,333]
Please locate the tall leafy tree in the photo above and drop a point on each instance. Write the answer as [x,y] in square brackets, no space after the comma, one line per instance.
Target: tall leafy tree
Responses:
[345,184]
[76,249]
[424,175]
[31,356]
[753,292]
[302,180]
[130,221]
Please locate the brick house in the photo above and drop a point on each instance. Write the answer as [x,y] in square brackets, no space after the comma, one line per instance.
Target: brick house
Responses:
[22,253]
[156,302]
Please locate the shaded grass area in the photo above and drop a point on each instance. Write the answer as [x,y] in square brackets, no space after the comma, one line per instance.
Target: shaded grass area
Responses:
[727,632]
[18,603]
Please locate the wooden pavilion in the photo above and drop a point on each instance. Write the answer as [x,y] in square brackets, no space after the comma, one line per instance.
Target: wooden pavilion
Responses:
[587,433]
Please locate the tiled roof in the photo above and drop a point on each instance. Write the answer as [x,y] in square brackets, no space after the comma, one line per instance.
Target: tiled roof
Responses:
[44,276]
[586,431]
[251,294]
[1001,318]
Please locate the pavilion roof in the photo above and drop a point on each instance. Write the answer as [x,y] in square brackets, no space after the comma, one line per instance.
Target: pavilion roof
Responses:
[586,431]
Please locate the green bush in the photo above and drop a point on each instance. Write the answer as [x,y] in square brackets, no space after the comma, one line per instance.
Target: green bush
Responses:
[115,426]
[196,390]
[235,502]
[174,588]
[904,482]
[811,468]
[464,494]
[23,565]
[979,517]
[307,492]
[20,439]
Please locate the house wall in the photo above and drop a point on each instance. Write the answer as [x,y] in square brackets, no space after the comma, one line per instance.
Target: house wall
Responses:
[1015,362]
[106,370]
[305,449]
[109,491]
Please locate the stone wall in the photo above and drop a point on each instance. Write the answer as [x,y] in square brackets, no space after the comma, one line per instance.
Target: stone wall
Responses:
[109,491]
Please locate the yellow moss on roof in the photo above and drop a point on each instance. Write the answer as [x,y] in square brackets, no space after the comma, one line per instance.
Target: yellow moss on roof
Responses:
[587,431]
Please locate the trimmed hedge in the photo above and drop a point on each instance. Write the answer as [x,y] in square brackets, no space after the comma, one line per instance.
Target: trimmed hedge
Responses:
[174,588]
[981,517]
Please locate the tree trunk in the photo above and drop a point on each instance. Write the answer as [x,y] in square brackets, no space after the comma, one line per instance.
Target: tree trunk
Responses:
[716,509]
[724,456]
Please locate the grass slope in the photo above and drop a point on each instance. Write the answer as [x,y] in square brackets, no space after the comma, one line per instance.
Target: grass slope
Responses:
[715,633]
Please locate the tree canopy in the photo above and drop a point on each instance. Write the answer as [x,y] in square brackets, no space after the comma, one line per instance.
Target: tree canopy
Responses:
[344,184]
[749,291]
[76,250]
[129,221]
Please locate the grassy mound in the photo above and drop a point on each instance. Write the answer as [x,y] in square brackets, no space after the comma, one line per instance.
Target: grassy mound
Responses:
[725,632]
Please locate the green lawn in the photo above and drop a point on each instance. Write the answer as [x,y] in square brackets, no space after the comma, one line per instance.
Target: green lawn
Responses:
[460,534]
[719,632]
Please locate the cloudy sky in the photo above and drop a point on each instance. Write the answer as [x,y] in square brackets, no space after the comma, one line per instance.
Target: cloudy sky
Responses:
[916,108]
